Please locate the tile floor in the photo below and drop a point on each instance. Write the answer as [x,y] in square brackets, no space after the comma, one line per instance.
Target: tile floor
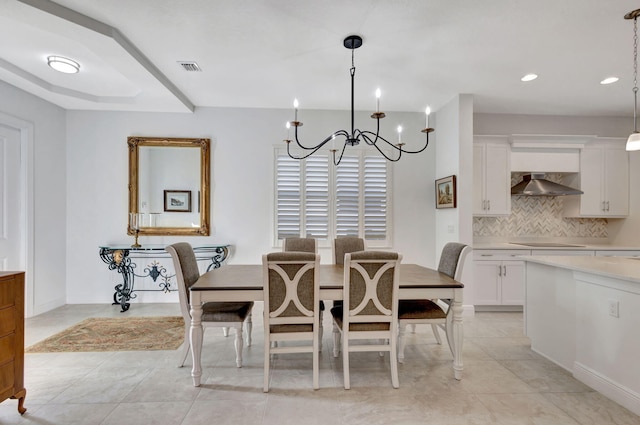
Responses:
[504,382]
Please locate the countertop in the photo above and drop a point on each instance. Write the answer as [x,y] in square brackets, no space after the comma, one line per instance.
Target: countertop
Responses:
[575,246]
[614,267]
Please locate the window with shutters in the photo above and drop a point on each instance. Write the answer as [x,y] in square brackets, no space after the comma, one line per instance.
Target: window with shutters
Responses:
[315,198]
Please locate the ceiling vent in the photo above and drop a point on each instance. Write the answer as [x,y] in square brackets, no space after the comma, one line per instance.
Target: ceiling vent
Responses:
[190,66]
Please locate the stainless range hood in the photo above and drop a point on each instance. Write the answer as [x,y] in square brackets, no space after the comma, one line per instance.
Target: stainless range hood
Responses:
[535,184]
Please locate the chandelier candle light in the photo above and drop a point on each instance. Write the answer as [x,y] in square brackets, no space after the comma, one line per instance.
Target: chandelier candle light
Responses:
[354,137]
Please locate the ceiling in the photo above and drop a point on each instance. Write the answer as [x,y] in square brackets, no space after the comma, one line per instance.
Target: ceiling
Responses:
[265,53]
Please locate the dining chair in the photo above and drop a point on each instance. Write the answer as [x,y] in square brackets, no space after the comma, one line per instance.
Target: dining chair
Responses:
[305,245]
[300,245]
[344,245]
[214,314]
[341,246]
[433,312]
[291,307]
[371,299]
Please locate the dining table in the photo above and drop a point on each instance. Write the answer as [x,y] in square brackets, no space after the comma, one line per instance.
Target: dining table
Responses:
[239,282]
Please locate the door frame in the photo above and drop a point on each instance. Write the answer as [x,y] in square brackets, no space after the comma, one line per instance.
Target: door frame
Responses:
[26,177]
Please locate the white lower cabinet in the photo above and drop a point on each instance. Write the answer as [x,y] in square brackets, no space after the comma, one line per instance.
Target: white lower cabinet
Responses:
[499,277]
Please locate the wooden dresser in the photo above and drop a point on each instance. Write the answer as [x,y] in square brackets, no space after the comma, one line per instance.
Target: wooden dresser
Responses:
[12,337]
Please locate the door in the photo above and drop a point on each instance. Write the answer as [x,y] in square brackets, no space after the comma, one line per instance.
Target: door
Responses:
[11,224]
[513,283]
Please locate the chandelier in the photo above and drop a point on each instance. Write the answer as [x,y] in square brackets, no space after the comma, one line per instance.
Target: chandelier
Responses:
[633,142]
[356,135]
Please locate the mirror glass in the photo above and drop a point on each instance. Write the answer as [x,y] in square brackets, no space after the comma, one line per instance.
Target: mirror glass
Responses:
[169,186]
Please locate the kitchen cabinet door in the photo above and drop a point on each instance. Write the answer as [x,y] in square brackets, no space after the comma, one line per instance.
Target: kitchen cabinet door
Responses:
[487,282]
[512,283]
[492,176]
[604,179]
[499,282]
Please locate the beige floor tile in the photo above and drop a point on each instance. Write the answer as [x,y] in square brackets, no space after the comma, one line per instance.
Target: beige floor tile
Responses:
[593,409]
[525,409]
[504,382]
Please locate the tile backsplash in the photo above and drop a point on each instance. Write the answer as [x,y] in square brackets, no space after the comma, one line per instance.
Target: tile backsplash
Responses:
[539,216]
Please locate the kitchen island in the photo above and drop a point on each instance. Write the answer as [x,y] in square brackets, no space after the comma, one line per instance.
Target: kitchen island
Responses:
[583,313]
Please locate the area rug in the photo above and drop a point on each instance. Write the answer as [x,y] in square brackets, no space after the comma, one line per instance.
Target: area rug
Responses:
[116,334]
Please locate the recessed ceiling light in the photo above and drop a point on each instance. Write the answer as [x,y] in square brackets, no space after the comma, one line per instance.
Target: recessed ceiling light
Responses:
[609,80]
[529,77]
[63,64]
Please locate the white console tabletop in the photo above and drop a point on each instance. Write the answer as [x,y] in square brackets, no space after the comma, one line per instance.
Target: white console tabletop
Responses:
[583,313]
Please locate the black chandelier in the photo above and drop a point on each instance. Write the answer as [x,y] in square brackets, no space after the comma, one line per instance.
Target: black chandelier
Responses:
[353,138]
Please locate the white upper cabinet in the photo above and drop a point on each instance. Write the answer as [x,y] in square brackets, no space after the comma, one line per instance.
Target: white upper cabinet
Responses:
[604,179]
[491,176]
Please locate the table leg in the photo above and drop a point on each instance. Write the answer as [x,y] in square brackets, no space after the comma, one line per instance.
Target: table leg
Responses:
[196,337]
[455,336]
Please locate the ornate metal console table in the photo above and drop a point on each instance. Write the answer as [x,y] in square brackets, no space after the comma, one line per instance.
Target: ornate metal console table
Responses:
[119,258]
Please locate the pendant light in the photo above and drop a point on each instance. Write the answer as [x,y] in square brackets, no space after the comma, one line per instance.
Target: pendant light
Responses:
[633,142]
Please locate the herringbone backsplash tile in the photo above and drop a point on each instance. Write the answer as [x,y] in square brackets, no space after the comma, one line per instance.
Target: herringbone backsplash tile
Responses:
[539,216]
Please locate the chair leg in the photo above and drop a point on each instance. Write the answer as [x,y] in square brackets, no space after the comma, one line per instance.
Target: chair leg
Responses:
[316,363]
[225,331]
[186,345]
[249,324]
[395,382]
[436,333]
[402,341]
[320,333]
[238,344]
[267,359]
[345,362]
[336,340]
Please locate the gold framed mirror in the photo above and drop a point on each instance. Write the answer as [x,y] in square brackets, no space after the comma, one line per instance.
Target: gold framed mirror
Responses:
[168,186]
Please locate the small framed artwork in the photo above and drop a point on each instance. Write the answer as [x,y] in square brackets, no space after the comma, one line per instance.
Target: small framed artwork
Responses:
[177,200]
[446,192]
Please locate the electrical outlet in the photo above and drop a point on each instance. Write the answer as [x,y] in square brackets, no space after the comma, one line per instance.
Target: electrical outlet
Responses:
[614,307]
[451,228]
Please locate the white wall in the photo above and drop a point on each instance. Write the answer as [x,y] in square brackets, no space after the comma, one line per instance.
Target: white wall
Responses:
[242,188]
[46,285]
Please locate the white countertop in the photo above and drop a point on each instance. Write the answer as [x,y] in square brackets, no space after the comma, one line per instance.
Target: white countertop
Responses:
[582,247]
[614,267]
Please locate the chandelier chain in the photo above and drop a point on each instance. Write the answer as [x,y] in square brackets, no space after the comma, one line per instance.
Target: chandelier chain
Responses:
[635,74]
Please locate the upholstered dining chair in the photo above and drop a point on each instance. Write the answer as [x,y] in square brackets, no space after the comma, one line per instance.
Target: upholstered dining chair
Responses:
[291,307]
[218,314]
[305,245]
[345,245]
[433,312]
[370,308]
[300,245]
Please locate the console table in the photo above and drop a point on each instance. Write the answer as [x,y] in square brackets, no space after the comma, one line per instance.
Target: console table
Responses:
[120,258]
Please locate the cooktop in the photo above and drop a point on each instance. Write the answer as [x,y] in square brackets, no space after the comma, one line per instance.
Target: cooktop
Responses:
[548,244]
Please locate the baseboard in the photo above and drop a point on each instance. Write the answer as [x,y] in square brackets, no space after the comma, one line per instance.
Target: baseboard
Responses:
[48,306]
[498,308]
[620,394]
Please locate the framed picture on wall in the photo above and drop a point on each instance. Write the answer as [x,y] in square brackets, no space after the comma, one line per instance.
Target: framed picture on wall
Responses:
[177,200]
[446,192]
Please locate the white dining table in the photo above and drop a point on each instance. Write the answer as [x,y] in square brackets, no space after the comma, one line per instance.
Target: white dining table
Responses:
[234,282]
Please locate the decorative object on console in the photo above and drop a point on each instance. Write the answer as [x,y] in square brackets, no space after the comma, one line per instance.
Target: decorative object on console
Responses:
[134,224]
[177,200]
[633,143]
[353,138]
[446,192]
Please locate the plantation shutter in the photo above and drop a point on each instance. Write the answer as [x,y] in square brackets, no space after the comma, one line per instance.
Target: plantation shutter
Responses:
[348,196]
[317,196]
[288,197]
[375,198]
